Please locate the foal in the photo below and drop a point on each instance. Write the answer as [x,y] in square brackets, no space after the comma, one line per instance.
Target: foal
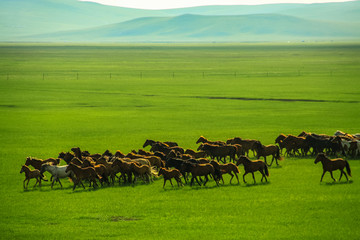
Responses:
[169,174]
[31,174]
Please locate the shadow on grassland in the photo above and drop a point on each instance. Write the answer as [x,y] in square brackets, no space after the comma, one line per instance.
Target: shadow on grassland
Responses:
[337,183]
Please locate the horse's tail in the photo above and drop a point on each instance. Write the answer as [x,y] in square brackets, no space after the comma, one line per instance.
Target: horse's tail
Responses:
[278,157]
[266,170]
[44,179]
[154,172]
[348,168]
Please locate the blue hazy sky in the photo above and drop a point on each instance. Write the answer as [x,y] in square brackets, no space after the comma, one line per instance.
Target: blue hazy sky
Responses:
[166,4]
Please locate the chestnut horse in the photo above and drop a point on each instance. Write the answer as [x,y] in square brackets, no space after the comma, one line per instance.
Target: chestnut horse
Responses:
[229,168]
[169,174]
[267,150]
[330,165]
[31,174]
[253,166]
[83,173]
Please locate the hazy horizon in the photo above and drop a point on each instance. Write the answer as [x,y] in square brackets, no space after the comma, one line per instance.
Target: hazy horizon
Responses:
[172,4]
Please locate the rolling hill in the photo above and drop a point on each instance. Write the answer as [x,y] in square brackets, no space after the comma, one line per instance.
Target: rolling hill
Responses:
[71,20]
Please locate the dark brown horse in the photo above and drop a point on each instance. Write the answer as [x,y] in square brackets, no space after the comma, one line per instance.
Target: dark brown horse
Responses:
[203,139]
[66,156]
[36,163]
[199,170]
[253,166]
[330,165]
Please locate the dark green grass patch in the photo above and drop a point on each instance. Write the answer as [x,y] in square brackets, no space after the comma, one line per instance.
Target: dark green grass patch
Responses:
[117,96]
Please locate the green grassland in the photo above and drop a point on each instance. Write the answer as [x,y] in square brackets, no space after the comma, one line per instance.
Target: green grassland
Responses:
[98,97]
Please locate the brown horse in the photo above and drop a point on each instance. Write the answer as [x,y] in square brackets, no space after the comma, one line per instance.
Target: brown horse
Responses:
[36,163]
[29,174]
[169,174]
[267,150]
[229,168]
[77,152]
[330,165]
[199,170]
[144,171]
[253,166]
[67,157]
[279,140]
[82,174]
[202,139]
[124,167]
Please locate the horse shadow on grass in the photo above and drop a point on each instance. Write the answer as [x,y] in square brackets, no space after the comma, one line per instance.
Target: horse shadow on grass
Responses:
[256,184]
[337,183]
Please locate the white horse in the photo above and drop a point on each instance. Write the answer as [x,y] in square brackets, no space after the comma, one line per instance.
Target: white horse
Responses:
[57,172]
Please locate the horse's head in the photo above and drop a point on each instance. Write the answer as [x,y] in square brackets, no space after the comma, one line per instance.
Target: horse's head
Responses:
[201,147]
[319,157]
[161,171]
[241,160]
[201,139]
[28,161]
[23,168]
[61,155]
[147,142]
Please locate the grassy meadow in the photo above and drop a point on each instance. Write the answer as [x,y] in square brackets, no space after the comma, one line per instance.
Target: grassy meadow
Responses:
[57,96]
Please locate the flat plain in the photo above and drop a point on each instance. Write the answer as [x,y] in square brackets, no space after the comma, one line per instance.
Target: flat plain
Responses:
[115,96]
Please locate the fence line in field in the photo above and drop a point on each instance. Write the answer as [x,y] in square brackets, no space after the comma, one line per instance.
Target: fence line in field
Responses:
[169,74]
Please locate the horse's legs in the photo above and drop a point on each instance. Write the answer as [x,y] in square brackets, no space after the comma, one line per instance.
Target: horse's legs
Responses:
[171,183]
[164,183]
[59,182]
[206,179]
[232,175]
[237,178]
[272,160]
[322,176]
[343,172]
[244,176]
[332,176]
[52,183]
[24,183]
[81,183]
[37,180]
[198,180]
[263,175]
[192,181]
[253,177]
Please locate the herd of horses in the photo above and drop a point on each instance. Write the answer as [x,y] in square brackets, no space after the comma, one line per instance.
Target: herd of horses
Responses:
[211,160]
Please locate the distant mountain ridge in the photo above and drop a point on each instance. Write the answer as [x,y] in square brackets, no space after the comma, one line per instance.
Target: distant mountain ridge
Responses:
[71,20]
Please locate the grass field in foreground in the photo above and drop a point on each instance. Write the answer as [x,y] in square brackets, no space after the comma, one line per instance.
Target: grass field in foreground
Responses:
[54,97]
